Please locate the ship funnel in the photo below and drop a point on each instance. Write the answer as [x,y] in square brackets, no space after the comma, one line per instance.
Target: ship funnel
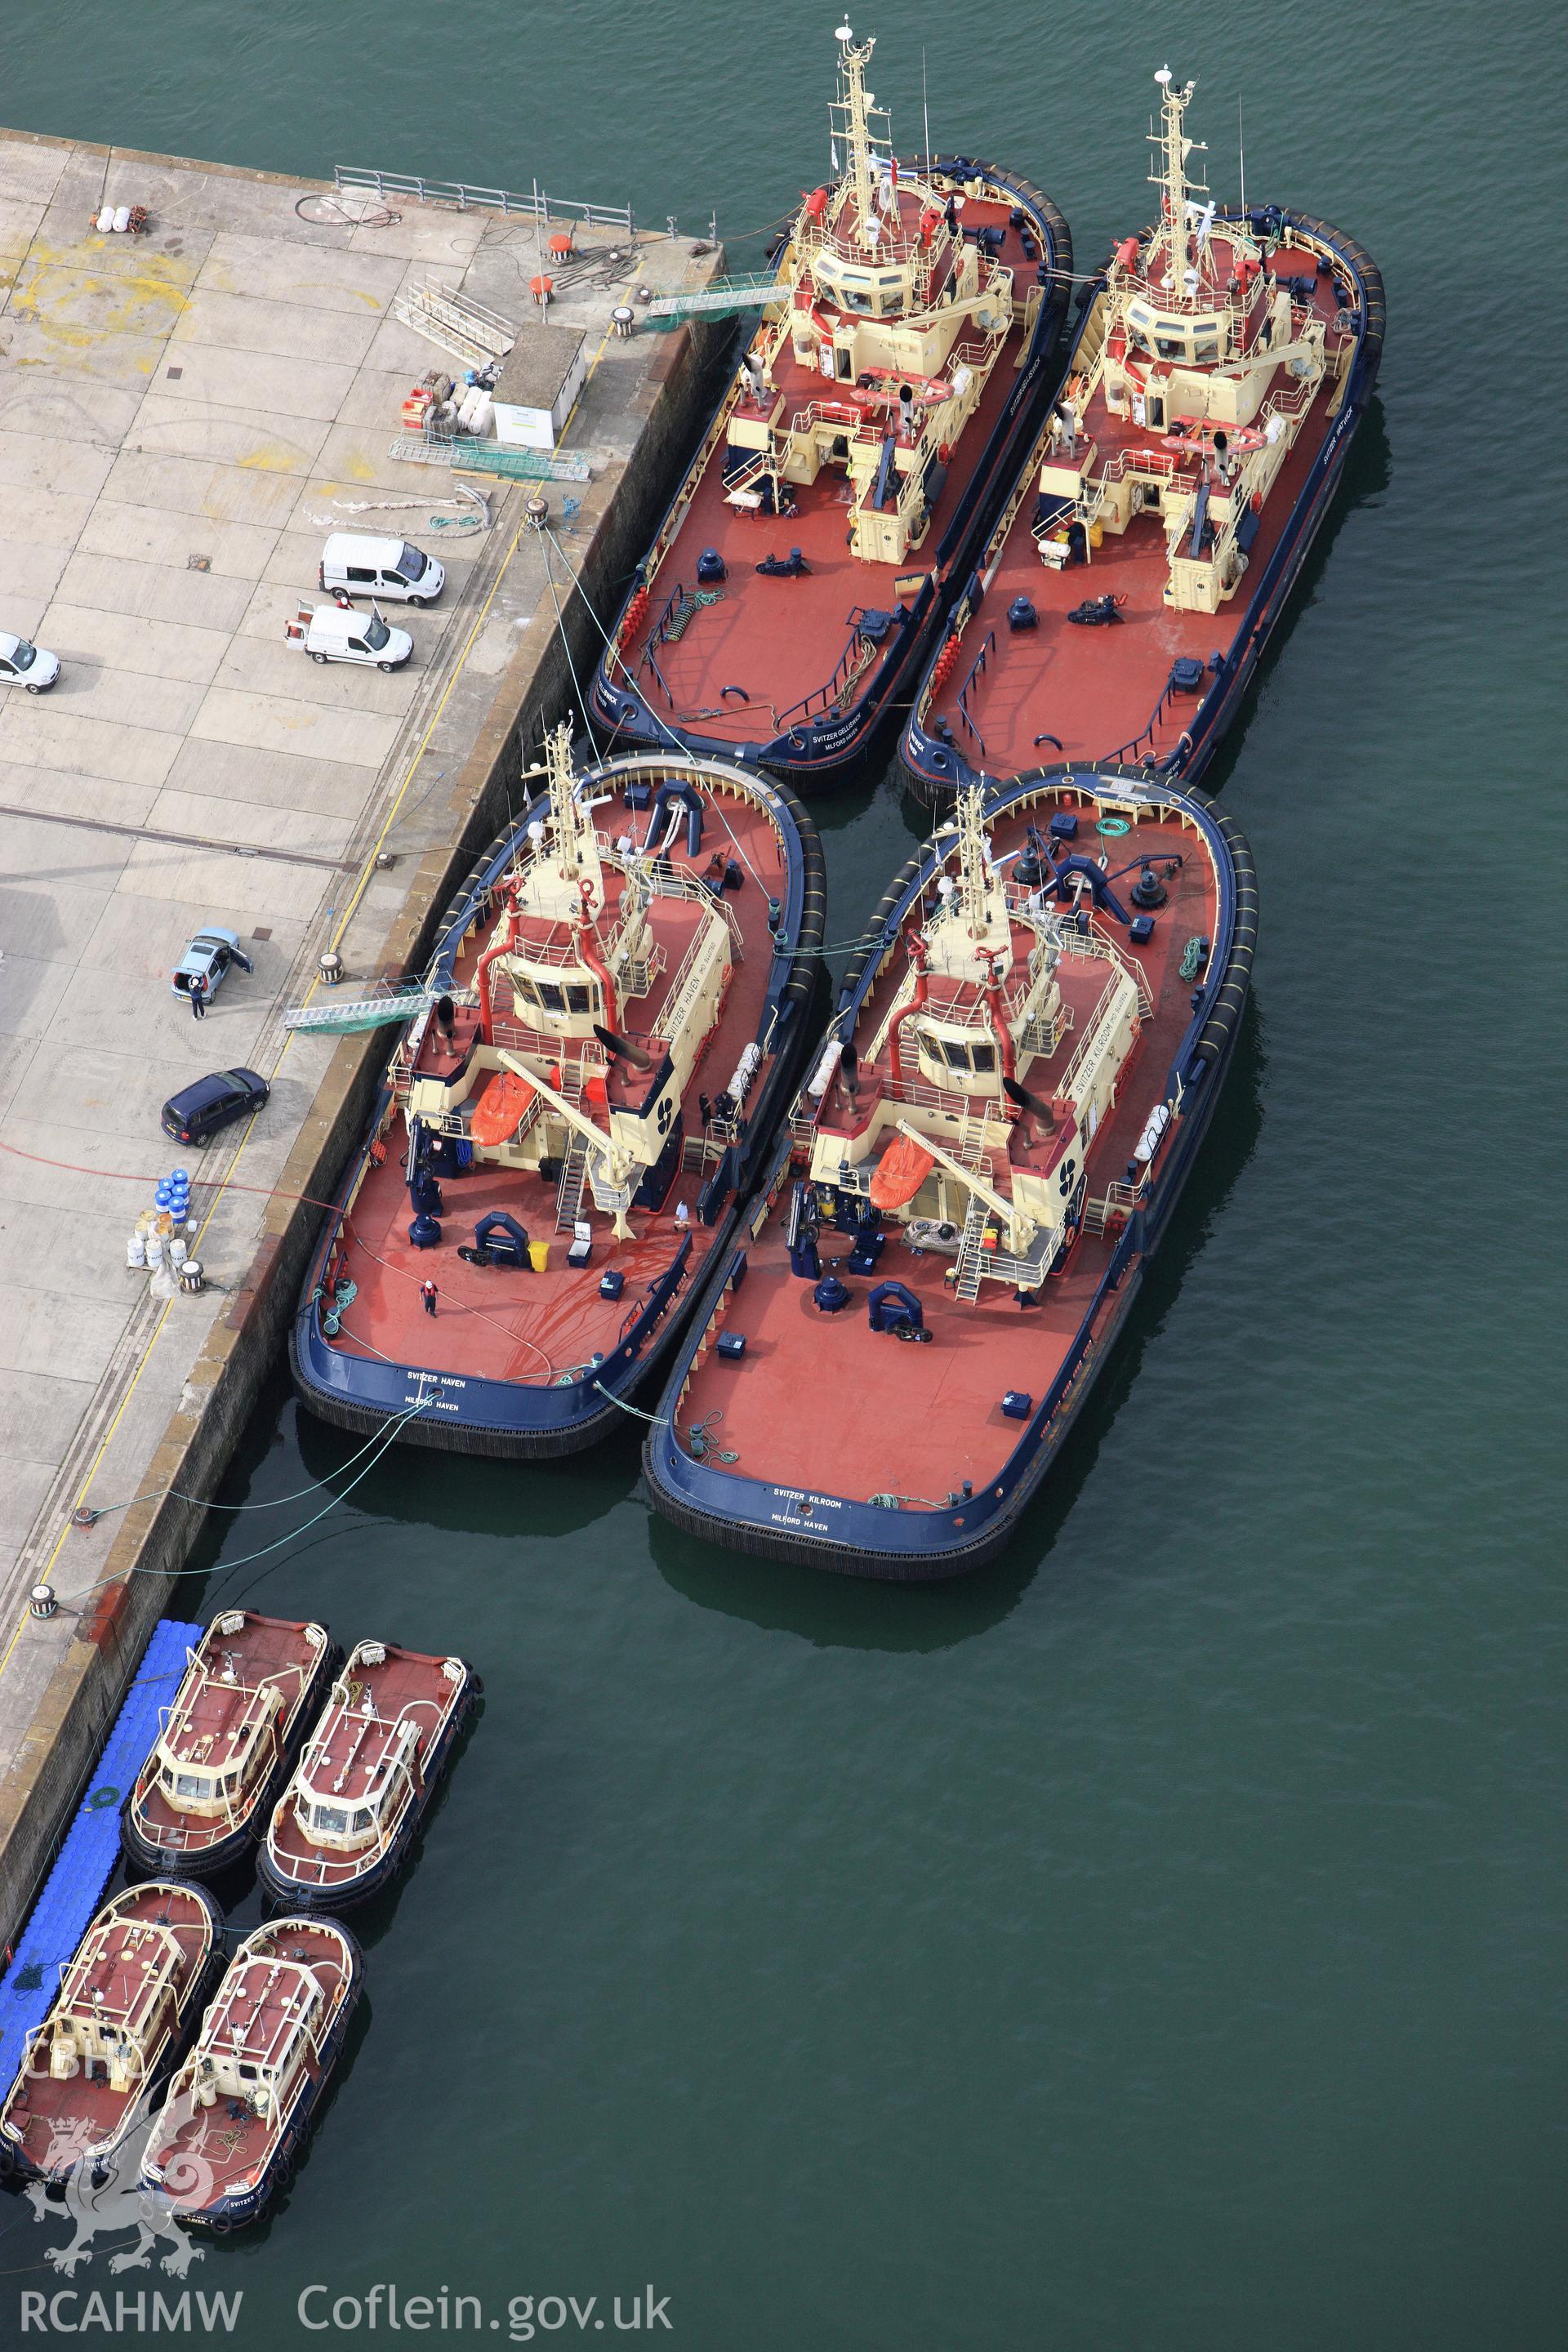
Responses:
[623,1048]
[1026,1101]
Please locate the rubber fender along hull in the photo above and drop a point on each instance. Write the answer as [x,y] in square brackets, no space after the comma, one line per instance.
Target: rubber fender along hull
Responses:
[826,754]
[738,1515]
[931,770]
[511,1421]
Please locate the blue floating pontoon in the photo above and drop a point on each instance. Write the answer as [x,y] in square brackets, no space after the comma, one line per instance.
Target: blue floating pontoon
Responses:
[74,1887]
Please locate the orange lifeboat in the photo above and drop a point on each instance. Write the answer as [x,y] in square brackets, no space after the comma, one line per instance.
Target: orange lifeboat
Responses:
[901,1170]
[498,1112]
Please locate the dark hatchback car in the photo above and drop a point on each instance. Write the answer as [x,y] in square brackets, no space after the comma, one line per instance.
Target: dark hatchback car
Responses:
[196,1113]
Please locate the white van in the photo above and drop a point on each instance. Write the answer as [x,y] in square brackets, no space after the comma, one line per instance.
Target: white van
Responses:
[329,633]
[379,567]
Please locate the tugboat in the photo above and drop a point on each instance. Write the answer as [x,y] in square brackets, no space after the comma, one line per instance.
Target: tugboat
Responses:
[854,462]
[126,2002]
[241,2107]
[1024,1061]
[344,1826]
[618,1019]
[223,1747]
[1119,606]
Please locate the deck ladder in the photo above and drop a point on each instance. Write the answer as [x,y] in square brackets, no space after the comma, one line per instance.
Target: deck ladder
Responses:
[971,1256]
[573,1177]
[746,478]
[972,1141]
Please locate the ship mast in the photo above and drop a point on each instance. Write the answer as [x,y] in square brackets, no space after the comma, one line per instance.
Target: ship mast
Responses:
[853,100]
[1169,173]
[974,866]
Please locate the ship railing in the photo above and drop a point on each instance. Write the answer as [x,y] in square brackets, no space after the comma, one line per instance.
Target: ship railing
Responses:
[853,662]
[557,954]
[671,883]
[1145,738]
[1092,1045]
[1098,942]
[661,629]
[718,432]
[1161,462]
[1118,1199]
[576,1057]
[683,989]
[977,668]
[539,205]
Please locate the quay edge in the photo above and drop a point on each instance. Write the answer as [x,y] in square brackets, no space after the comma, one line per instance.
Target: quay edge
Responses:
[660,403]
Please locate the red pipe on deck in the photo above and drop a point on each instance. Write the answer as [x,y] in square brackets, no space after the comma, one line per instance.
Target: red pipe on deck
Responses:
[600,969]
[483,973]
[999,1023]
[922,988]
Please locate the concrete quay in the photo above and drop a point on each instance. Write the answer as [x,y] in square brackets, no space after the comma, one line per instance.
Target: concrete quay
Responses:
[183,415]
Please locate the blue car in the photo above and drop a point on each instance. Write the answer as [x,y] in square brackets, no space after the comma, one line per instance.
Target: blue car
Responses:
[208,958]
[198,1111]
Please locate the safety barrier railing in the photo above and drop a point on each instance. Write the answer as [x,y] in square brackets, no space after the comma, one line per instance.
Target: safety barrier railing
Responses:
[1098,942]
[977,668]
[537,206]
[1130,749]
[824,698]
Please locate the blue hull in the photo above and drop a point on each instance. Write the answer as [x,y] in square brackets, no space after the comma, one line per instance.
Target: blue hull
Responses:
[857,1539]
[935,769]
[817,754]
[513,1419]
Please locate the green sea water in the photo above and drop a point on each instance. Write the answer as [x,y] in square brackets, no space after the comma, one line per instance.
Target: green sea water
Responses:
[1159,1940]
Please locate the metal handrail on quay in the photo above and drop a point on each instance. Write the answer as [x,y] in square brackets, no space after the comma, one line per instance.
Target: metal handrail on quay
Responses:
[350,180]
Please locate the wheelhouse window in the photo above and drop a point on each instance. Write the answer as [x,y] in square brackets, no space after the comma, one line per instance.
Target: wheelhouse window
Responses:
[364,1818]
[582,1000]
[193,1784]
[334,1819]
[551,997]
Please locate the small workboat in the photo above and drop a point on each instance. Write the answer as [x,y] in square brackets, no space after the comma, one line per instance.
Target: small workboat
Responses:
[127,2002]
[241,2107]
[225,1744]
[618,1016]
[906,349]
[1152,537]
[343,1828]
[1024,1059]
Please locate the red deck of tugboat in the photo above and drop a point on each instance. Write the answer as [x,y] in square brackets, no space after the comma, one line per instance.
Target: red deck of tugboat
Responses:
[824,1403]
[1094,688]
[207,1727]
[60,2120]
[507,1323]
[249,2021]
[780,640]
[345,1755]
